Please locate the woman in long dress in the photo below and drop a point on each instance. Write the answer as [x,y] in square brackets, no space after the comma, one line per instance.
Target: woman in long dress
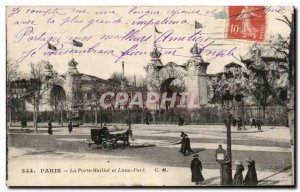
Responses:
[70,126]
[251,176]
[238,176]
[196,168]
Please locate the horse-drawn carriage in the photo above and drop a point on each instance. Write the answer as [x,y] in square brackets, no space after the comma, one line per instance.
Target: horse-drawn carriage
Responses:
[102,137]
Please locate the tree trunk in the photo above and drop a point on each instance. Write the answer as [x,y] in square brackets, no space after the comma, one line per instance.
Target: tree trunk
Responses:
[129,118]
[36,118]
[96,116]
[264,111]
[243,115]
[62,117]
[9,115]
[100,113]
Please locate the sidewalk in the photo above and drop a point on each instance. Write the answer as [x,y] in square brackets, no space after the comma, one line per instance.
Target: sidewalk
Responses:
[141,174]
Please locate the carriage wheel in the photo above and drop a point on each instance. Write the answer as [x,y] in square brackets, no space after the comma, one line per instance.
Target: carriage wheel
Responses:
[105,145]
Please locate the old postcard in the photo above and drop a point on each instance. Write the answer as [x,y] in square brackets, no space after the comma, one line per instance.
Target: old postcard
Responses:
[150,96]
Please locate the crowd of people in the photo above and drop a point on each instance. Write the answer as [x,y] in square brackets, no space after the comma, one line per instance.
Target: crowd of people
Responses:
[257,123]
[238,179]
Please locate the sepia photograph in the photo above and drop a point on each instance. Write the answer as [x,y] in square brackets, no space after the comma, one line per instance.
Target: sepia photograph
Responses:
[150,96]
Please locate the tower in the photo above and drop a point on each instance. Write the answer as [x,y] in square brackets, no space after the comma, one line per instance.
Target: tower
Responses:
[152,69]
[72,88]
[196,79]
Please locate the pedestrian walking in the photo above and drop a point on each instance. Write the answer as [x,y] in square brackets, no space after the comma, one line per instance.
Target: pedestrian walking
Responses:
[251,176]
[234,122]
[186,145]
[24,122]
[240,124]
[259,123]
[50,127]
[70,127]
[180,121]
[238,179]
[253,123]
[196,169]
[182,141]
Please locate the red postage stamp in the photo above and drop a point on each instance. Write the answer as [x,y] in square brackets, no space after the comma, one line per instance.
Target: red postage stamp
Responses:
[247,22]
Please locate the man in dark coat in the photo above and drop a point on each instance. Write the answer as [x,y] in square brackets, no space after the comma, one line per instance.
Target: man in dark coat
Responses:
[253,123]
[234,122]
[258,122]
[181,147]
[50,127]
[186,145]
[70,126]
[240,124]
[24,122]
[180,121]
[251,176]
[238,179]
[196,168]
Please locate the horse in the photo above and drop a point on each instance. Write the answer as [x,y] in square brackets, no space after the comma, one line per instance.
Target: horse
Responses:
[123,137]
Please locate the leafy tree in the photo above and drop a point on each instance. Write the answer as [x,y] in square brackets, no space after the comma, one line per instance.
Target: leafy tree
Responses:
[268,68]
[40,82]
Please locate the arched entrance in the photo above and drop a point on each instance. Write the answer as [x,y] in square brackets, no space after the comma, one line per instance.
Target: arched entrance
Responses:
[171,86]
[58,102]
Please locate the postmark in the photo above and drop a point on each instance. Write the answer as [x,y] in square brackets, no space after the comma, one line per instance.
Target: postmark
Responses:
[246,22]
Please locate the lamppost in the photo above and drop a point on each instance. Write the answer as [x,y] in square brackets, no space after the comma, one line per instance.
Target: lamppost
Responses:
[227,105]
[220,158]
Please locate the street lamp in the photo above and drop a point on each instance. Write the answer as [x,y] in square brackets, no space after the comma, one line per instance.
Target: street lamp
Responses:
[227,105]
[220,158]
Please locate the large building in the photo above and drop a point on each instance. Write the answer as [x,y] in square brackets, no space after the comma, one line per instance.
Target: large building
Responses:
[74,91]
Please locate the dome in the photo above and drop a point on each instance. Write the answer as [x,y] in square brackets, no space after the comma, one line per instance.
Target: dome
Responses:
[72,67]
[47,65]
[196,51]
[72,63]
[155,54]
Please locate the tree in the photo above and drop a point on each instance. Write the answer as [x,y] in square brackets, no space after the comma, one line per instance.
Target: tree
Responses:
[268,68]
[117,77]
[290,54]
[40,82]
[13,74]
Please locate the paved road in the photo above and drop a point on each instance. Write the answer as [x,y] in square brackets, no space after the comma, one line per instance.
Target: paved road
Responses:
[165,154]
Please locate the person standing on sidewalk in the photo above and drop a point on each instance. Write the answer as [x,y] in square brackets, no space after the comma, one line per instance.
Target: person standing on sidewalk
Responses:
[240,124]
[24,122]
[50,127]
[258,122]
[234,121]
[70,127]
[182,140]
[238,179]
[251,176]
[253,123]
[196,168]
[186,145]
